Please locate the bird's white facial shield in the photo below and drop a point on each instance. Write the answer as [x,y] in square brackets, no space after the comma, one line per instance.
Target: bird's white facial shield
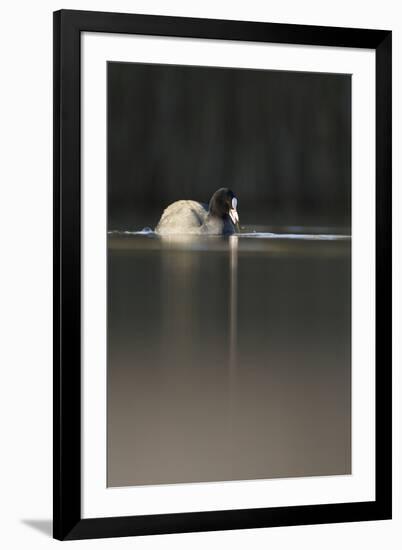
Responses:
[234,216]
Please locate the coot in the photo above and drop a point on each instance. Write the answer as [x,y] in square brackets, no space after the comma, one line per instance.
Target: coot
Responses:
[187,217]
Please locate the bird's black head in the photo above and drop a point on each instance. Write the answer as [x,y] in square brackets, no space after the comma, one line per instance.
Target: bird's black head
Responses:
[223,204]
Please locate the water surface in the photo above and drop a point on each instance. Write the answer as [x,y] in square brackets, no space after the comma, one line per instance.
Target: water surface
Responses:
[228,358]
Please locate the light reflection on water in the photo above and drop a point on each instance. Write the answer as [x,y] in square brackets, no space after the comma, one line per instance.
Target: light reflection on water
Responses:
[244,234]
[228,358]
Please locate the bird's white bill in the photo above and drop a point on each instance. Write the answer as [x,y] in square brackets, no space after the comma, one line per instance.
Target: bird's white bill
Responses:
[234,216]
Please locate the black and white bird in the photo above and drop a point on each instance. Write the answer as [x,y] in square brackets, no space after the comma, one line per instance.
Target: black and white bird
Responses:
[187,217]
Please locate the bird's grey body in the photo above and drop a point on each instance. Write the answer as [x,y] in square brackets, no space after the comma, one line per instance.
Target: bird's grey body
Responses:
[188,217]
[183,216]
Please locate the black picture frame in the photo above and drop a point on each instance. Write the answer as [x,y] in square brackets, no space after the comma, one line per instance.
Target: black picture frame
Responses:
[68,523]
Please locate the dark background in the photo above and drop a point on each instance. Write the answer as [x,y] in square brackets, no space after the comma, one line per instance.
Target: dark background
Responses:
[280,140]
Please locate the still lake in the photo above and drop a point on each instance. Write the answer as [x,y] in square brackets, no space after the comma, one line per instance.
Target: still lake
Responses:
[228,358]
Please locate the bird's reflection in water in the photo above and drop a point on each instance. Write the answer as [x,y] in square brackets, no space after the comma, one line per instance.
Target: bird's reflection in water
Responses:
[233,250]
[228,358]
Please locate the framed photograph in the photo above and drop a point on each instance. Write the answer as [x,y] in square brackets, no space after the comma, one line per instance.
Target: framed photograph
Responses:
[222,274]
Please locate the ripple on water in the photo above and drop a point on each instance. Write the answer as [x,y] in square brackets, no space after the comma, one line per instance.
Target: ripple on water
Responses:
[249,235]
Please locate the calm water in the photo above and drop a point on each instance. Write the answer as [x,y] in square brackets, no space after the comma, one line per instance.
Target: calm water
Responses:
[228,358]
